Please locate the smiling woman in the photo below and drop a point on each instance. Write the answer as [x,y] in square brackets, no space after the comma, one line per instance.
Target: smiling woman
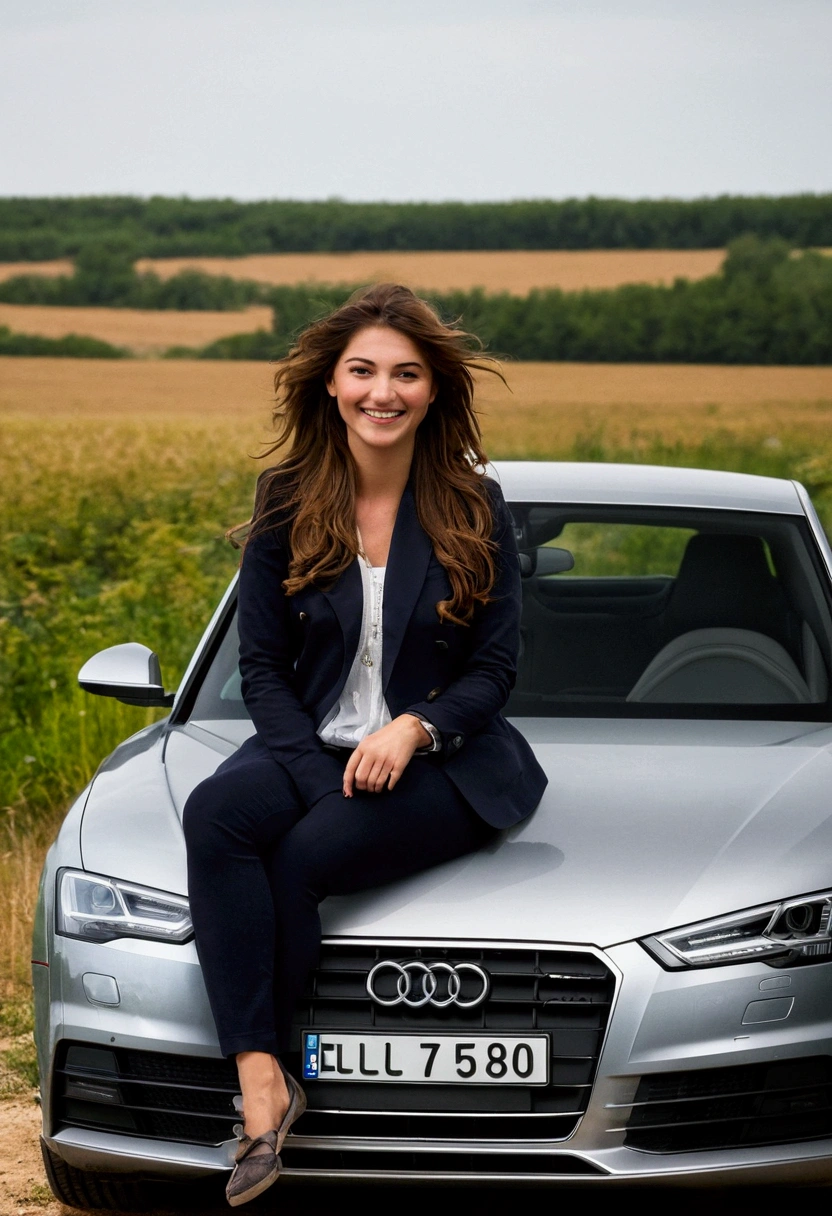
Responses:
[379,602]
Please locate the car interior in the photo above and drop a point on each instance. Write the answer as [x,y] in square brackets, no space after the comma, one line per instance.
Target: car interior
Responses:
[668,607]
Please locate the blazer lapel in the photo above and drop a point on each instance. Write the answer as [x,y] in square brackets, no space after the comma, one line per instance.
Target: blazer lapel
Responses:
[347,600]
[407,565]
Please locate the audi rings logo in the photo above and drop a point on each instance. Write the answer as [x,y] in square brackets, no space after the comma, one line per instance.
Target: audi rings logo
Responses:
[417,983]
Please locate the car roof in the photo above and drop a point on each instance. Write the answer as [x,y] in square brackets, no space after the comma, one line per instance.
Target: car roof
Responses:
[643,485]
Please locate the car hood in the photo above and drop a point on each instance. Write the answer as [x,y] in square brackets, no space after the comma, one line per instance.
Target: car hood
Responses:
[645,825]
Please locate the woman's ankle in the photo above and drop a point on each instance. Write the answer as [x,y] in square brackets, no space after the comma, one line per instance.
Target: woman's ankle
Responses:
[265,1094]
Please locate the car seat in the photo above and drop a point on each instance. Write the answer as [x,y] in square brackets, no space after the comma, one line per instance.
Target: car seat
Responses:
[722,666]
[728,626]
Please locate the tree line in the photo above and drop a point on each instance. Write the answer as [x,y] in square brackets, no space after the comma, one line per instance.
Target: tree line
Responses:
[33,229]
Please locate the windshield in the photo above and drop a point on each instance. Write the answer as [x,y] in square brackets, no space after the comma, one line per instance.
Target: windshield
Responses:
[650,612]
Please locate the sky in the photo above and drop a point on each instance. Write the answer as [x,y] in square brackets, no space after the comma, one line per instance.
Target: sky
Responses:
[415,99]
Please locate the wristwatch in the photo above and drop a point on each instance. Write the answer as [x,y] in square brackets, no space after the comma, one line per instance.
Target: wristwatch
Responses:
[435,744]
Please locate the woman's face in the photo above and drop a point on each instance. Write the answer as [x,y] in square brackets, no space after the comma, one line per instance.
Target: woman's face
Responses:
[383,385]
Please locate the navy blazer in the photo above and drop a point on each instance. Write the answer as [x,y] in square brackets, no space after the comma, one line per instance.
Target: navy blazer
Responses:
[296,653]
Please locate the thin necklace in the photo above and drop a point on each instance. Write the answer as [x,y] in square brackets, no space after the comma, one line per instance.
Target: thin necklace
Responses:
[375,604]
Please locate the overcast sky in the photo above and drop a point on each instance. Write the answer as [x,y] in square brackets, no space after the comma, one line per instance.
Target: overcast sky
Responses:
[415,99]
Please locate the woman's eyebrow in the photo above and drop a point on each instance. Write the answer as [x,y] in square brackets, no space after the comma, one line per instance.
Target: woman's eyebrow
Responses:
[361,359]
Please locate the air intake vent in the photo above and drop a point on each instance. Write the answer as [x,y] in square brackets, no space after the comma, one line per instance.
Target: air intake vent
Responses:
[146,1093]
[297,1160]
[780,1103]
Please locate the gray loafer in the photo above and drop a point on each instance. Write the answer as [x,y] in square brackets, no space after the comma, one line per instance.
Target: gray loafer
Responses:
[255,1172]
[297,1105]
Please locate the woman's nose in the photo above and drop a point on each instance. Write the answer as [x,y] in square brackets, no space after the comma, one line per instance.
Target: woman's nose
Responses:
[382,389]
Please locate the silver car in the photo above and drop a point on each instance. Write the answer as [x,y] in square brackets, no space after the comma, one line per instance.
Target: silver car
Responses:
[633,985]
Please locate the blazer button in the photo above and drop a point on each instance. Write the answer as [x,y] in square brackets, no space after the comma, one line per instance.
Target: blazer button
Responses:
[433,694]
[441,644]
[457,741]
[302,616]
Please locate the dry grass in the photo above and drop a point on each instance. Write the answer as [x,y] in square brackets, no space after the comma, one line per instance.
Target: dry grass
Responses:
[516,271]
[10,270]
[549,403]
[144,332]
[553,403]
[20,868]
[237,393]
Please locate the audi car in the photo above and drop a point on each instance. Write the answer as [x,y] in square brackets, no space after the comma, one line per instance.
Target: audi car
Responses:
[631,986]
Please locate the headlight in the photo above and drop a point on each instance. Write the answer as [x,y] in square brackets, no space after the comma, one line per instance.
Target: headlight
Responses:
[100,909]
[793,932]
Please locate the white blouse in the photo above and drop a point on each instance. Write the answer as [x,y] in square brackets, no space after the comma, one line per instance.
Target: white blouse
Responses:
[361,708]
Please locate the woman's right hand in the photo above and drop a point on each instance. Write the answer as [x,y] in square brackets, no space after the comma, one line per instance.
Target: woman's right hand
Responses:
[381,758]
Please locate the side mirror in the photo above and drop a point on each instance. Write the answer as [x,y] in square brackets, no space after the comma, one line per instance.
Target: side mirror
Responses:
[545,560]
[129,672]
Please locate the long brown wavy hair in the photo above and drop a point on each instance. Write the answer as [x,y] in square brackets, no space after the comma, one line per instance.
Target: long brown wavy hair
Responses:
[314,486]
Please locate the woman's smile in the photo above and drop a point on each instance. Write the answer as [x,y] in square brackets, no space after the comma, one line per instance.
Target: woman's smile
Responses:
[382,415]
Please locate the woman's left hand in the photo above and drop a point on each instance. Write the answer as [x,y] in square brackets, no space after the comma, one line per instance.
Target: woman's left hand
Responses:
[381,758]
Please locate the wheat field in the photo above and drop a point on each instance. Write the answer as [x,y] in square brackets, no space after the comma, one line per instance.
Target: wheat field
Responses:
[143,331]
[515,271]
[10,270]
[544,408]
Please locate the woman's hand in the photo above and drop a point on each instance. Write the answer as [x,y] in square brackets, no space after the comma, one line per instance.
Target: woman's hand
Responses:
[381,758]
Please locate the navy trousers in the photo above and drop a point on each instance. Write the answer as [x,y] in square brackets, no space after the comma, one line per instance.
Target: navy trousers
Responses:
[260,862]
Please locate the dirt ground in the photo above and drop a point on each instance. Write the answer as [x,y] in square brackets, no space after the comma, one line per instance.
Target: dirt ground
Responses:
[23,1187]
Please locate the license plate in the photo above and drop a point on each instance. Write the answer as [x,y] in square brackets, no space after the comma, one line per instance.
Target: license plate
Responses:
[474,1059]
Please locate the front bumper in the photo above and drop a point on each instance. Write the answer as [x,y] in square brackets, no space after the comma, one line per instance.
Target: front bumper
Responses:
[661,1023]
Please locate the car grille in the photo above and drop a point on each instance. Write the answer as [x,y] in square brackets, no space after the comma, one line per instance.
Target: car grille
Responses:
[566,993]
[146,1093]
[779,1103]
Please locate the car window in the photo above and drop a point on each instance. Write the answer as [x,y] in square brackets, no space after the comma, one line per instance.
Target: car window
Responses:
[219,696]
[610,550]
[651,612]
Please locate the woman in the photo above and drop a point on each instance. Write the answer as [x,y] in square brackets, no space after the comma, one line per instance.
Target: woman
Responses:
[379,601]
